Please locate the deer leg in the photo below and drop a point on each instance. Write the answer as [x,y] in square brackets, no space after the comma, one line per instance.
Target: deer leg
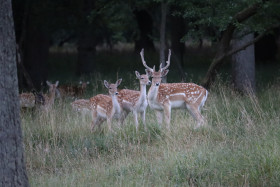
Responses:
[109,123]
[167,115]
[194,111]
[94,119]
[143,116]
[159,116]
[135,119]
[123,116]
[99,121]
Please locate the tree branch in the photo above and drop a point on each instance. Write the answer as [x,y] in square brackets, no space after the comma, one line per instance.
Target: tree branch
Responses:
[218,61]
[223,49]
[233,51]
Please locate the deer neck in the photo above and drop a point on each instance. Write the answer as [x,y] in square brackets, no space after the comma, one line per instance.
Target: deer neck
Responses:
[116,105]
[152,94]
[143,93]
[51,98]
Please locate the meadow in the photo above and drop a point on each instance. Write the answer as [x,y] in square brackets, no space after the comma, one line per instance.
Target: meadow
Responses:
[239,145]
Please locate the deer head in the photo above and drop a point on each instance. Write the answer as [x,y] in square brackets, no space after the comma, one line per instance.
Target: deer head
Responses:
[156,75]
[52,87]
[144,79]
[113,87]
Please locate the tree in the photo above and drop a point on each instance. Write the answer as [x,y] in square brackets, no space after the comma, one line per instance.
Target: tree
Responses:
[222,19]
[12,165]
[145,27]
[164,10]
[243,65]
[33,33]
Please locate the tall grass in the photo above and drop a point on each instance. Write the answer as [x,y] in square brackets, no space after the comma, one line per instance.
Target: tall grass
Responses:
[239,146]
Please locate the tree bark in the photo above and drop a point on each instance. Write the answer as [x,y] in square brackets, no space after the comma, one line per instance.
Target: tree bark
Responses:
[162,36]
[243,65]
[12,165]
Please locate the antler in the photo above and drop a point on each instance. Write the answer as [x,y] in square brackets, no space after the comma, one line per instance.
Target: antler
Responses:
[143,61]
[167,62]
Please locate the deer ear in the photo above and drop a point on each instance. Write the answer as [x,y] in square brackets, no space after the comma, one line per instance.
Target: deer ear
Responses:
[106,84]
[164,72]
[118,82]
[137,74]
[56,83]
[48,83]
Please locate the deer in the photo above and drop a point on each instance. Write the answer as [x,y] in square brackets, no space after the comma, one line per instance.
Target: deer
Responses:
[136,101]
[83,106]
[30,100]
[162,97]
[72,90]
[49,98]
[106,107]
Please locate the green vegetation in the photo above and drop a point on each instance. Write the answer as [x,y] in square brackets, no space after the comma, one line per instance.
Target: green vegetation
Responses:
[240,146]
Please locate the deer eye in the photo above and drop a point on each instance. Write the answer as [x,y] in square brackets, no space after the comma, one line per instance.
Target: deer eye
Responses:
[142,78]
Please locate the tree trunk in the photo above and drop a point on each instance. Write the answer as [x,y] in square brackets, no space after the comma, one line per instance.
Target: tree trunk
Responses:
[178,48]
[86,51]
[243,65]
[87,40]
[145,26]
[12,165]
[36,53]
[162,36]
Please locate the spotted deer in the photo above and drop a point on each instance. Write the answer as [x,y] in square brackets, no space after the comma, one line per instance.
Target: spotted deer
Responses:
[72,90]
[162,97]
[30,100]
[82,106]
[136,101]
[106,107]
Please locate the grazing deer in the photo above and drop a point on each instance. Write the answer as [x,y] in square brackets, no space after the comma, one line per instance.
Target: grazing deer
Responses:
[72,90]
[83,106]
[30,100]
[49,99]
[165,96]
[106,107]
[136,101]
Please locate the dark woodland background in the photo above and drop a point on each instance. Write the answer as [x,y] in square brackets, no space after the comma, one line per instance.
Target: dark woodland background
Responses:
[84,39]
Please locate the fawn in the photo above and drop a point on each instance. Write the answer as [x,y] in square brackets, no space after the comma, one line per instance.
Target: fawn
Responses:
[106,107]
[136,101]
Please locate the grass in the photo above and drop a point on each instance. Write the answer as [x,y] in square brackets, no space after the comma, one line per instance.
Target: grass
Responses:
[240,146]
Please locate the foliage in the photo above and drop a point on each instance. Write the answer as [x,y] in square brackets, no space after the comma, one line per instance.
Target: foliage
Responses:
[208,19]
[113,19]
